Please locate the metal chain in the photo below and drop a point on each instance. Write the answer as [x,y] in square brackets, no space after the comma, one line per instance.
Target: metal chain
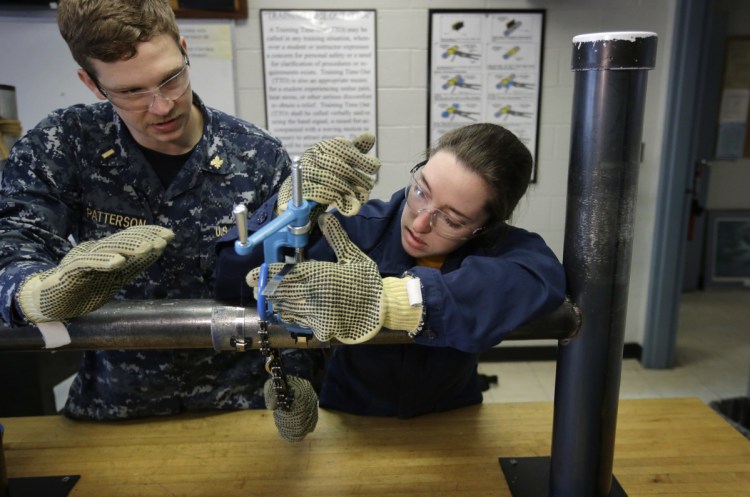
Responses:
[275,367]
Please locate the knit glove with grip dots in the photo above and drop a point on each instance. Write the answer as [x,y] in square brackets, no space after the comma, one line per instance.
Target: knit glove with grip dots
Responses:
[293,424]
[336,172]
[347,300]
[91,274]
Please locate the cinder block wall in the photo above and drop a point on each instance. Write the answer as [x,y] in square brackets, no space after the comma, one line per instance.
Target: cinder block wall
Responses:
[402,41]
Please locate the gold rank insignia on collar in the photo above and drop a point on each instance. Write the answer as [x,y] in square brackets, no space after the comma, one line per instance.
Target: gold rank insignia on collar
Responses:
[216,162]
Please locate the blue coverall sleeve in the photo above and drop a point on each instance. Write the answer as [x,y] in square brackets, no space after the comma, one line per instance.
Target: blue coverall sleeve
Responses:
[474,307]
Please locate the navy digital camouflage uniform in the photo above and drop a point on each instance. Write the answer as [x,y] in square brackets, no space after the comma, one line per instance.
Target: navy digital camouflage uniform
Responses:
[79,175]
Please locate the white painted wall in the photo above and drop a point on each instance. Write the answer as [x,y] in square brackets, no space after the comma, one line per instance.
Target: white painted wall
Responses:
[402,40]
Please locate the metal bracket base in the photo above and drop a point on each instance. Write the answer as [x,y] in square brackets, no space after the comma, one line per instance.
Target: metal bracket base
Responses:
[49,486]
[529,477]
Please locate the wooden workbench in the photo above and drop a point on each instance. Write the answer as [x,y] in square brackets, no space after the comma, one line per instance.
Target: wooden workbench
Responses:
[665,447]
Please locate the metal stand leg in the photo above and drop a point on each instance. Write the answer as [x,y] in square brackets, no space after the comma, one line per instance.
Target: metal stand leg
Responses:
[529,477]
[608,105]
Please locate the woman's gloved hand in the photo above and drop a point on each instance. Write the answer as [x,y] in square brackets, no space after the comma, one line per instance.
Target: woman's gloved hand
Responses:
[347,300]
[91,274]
[336,172]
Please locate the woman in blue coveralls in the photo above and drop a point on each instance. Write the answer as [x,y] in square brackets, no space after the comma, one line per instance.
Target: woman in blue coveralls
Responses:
[439,261]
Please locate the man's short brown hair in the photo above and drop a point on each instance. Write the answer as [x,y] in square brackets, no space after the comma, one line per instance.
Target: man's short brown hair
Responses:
[110,30]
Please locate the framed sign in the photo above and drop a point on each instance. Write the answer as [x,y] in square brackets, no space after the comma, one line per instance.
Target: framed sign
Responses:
[227,9]
[486,66]
[320,80]
[728,249]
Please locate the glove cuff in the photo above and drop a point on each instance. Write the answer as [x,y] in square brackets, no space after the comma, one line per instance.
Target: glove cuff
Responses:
[28,299]
[399,314]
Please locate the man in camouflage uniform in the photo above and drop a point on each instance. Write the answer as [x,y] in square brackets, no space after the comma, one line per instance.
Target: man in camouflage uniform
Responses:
[150,154]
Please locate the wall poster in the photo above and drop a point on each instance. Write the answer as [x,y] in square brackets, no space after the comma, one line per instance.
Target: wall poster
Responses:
[320,80]
[486,66]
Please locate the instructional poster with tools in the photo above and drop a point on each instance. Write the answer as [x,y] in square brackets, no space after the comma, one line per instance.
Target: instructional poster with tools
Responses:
[320,81]
[486,66]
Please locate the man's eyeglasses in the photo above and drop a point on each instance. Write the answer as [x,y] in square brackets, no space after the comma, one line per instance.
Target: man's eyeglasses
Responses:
[418,200]
[142,100]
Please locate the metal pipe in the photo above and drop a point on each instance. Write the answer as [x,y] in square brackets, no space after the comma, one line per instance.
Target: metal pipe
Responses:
[608,106]
[200,324]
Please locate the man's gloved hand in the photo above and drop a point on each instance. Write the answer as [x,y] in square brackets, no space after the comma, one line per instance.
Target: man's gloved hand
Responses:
[347,300]
[302,415]
[336,172]
[91,274]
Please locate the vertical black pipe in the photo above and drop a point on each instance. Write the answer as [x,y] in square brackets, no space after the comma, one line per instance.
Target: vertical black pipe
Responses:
[608,104]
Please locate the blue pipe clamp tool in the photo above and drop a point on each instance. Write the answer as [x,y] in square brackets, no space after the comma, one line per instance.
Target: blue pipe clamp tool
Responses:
[290,229]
